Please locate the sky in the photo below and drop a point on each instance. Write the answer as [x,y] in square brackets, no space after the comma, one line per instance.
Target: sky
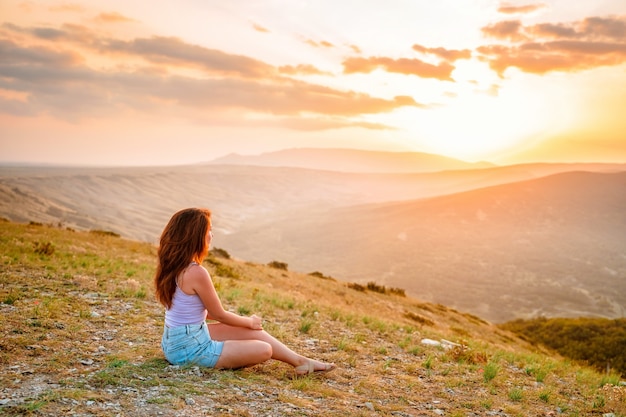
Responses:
[116,82]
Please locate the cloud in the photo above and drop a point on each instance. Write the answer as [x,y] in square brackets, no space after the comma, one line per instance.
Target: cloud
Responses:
[541,48]
[411,66]
[449,55]
[112,18]
[529,8]
[15,55]
[26,6]
[16,107]
[157,50]
[67,7]
[508,29]
[176,52]
[259,28]
[302,69]
[405,66]
[54,77]
[320,44]
[315,124]
[591,28]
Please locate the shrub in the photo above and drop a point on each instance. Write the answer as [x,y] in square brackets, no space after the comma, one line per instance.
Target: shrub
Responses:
[462,354]
[318,274]
[226,271]
[420,319]
[597,341]
[397,291]
[372,286]
[220,253]
[104,233]
[43,248]
[278,265]
[355,286]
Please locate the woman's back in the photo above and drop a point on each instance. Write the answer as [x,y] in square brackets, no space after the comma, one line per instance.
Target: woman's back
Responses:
[186,308]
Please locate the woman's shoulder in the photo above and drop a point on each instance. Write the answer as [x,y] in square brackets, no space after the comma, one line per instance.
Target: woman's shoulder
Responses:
[194,275]
[195,272]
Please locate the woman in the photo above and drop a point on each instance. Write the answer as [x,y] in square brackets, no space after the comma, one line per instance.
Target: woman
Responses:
[185,288]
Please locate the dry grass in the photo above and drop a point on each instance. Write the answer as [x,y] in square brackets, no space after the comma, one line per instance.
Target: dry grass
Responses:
[80,333]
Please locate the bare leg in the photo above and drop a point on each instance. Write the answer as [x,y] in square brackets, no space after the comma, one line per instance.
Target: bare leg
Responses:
[245,347]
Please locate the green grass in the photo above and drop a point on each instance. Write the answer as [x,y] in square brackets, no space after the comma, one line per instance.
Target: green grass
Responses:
[490,371]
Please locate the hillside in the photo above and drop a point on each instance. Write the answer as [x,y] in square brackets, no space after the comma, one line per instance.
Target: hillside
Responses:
[597,342]
[551,246]
[500,243]
[80,334]
[136,202]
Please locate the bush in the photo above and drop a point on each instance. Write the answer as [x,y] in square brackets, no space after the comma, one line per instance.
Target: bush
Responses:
[372,286]
[43,248]
[278,265]
[104,233]
[357,287]
[397,291]
[419,319]
[220,253]
[318,274]
[598,342]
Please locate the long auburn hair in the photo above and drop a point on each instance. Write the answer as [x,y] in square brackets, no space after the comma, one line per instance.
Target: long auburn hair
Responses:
[183,240]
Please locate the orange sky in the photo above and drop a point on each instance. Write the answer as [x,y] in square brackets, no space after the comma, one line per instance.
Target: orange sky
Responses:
[143,83]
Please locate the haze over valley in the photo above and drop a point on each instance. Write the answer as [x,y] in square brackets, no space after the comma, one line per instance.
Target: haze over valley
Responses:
[500,242]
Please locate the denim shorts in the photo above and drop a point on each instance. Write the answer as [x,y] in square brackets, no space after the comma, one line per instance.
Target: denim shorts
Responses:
[190,345]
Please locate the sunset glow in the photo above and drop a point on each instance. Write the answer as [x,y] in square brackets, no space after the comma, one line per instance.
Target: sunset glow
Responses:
[140,83]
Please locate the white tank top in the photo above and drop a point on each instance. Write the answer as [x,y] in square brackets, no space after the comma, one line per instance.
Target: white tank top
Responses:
[186,309]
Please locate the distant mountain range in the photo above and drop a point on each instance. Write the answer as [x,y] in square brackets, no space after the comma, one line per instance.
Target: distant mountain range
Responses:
[500,242]
[352,160]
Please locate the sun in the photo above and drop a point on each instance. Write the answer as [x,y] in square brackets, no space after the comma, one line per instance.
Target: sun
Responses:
[479,125]
[473,129]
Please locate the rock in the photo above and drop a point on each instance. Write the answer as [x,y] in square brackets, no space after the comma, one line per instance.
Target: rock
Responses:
[430,342]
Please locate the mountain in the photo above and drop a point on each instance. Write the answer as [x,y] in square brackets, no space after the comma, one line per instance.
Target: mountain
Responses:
[352,160]
[551,246]
[137,201]
[474,239]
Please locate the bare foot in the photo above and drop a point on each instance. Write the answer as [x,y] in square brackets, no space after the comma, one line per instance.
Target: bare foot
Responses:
[311,366]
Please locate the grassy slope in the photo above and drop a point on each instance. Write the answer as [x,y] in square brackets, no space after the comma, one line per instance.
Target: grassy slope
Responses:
[80,333]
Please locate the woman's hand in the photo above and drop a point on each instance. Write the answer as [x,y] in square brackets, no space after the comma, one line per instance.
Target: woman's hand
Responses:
[255,322]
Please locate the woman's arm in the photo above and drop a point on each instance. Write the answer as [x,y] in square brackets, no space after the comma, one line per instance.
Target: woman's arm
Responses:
[199,280]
